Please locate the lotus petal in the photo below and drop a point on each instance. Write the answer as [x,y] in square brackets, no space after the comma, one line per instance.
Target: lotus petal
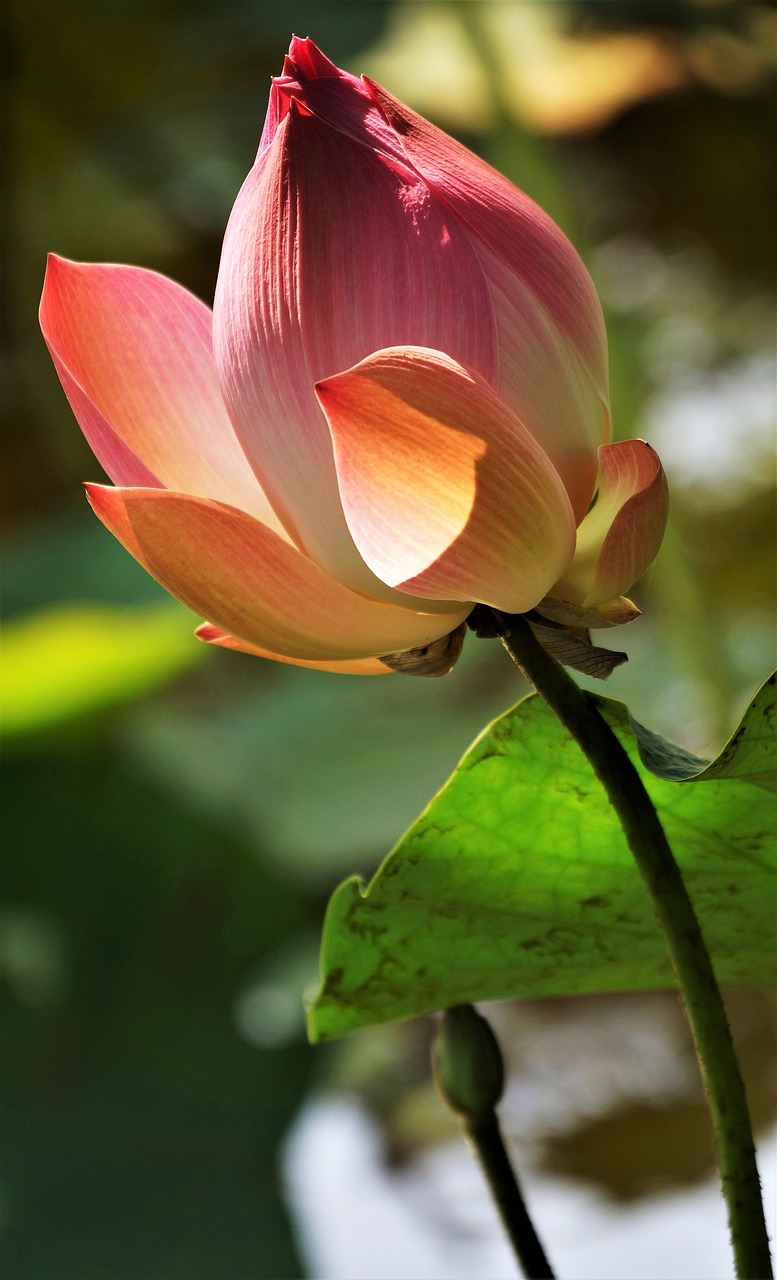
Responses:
[330,254]
[446,494]
[622,532]
[223,564]
[357,667]
[133,351]
[546,383]
[335,96]
[523,237]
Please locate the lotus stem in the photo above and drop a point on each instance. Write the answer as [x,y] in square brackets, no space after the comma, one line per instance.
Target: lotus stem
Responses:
[469,1074]
[705,1011]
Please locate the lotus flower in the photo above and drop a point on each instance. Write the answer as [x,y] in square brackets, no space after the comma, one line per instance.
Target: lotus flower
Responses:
[397,409]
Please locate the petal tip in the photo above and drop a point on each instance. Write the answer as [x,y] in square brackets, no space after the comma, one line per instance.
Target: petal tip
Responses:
[56,269]
[56,260]
[99,496]
[59,267]
[208,634]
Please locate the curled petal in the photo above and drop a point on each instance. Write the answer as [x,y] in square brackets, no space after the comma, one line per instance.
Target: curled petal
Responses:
[622,532]
[332,253]
[306,59]
[356,667]
[133,351]
[225,565]
[445,493]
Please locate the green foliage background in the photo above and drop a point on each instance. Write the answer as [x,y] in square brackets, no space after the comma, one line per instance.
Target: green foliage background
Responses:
[175,818]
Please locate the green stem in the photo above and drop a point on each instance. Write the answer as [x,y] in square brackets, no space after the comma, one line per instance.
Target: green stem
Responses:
[693,967]
[486,1138]
[469,1074]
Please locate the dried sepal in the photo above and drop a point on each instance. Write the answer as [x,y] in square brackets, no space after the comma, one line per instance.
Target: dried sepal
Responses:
[574,649]
[434,659]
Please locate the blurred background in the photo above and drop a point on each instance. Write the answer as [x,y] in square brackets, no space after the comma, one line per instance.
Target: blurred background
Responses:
[176,817]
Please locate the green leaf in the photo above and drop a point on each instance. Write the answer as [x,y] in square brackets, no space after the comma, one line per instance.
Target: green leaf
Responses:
[749,753]
[517,881]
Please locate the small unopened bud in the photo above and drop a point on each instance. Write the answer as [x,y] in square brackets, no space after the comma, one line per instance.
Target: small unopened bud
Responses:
[467,1063]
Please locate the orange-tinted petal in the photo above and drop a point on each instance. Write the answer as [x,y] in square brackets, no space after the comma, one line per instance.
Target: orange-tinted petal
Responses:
[445,493]
[357,667]
[225,565]
[133,352]
[622,532]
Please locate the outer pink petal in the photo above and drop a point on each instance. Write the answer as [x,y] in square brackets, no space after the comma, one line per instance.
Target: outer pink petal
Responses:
[357,667]
[335,96]
[542,374]
[133,352]
[622,533]
[222,563]
[544,379]
[444,490]
[331,253]
[552,347]
[524,238]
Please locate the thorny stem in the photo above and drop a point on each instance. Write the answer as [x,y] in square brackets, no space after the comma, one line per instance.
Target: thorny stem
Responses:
[674,911]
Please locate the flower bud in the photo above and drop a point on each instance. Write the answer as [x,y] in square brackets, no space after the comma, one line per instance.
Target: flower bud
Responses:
[467,1063]
[397,410]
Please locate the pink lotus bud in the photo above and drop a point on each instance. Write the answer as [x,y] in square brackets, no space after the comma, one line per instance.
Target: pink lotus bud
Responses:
[398,408]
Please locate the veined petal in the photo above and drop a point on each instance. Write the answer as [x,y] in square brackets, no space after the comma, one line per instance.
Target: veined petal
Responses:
[133,352]
[304,61]
[542,374]
[546,383]
[622,532]
[356,667]
[334,95]
[225,565]
[331,253]
[524,238]
[445,492]
[434,659]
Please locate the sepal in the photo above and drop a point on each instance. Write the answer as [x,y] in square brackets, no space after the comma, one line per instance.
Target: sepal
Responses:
[434,659]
